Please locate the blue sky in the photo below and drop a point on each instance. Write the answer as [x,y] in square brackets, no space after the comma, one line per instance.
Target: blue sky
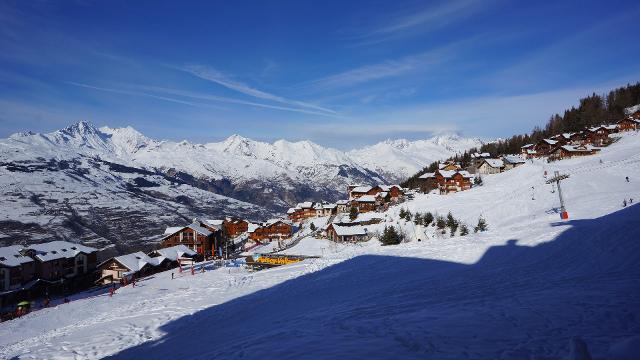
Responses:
[341,73]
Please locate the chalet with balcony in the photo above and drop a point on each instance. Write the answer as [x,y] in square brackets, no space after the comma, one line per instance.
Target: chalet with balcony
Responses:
[364,190]
[597,136]
[569,151]
[16,269]
[342,206]
[274,229]
[366,203]
[58,260]
[453,181]
[628,124]
[194,236]
[544,146]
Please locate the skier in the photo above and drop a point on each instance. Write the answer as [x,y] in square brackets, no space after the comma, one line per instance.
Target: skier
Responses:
[111,291]
[624,203]
[630,200]
[627,178]
[171,276]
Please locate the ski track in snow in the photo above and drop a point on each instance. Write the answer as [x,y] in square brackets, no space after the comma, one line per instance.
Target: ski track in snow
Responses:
[521,290]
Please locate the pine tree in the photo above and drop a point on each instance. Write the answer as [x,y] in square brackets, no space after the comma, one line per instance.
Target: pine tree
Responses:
[353,213]
[391,236]
[417,219]
[451,221]
[482,225]
[440,223]
[427,219]
[407,215]
[312,227]
[464,230]
[477,180]
[403,213]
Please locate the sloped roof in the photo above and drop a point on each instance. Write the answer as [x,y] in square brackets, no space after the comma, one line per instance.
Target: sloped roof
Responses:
[59,250]
[494,163]
[173,253]
[513,159]
[427,175]
[362,189]
[349,230]
[10,256]
[136,261]
[549,141]
[527,146]
[342,202]
[366,198]
[172,229]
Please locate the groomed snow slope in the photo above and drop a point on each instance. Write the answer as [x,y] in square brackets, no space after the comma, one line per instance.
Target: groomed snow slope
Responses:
[521,290]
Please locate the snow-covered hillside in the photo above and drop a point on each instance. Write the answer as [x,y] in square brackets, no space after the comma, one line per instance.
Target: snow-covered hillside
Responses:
[396,160]
[522,290]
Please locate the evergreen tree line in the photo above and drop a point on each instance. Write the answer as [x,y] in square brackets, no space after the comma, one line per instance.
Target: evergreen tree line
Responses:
[593,110]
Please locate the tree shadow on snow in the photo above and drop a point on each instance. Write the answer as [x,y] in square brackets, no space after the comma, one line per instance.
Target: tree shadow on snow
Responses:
[516,302]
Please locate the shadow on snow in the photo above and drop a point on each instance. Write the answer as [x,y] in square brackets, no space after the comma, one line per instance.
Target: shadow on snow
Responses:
[516,302]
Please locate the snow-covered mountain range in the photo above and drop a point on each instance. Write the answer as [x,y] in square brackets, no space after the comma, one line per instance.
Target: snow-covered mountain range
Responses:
[82,172]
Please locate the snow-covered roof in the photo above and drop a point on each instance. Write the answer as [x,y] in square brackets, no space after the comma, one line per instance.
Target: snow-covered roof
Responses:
[513,159]
[172,229]
[252,227]
[59,250]
[382,194]
[342,202]
[610,127]
[494,163]
[136,261]
[306,205]
[361,189]
[291,210]
[549,141]
[366,198]
[10,256]
[527,146]
[199,229]
[465,174]
[329,206]
[216,222]
[427,175]
[173,253]
[349,230]
[579,148]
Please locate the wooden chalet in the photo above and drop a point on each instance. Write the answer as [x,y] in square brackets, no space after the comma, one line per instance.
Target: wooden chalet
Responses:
[395,191]
[194,236]
[569,151]
[33,271]
[302,211]
[58,260]
[340,233]
[597,136]
[628,124]
[235,227]
[453,181]
[366,203]
[544,146]
[272,230]
[16,271]
[364,190]
[490,166]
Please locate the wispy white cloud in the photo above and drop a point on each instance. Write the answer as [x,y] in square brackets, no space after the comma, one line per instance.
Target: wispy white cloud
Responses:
[161,93]
[429,59]
[213,75]
[416,21]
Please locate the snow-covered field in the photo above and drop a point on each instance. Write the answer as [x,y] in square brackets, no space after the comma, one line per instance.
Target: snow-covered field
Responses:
[522,290]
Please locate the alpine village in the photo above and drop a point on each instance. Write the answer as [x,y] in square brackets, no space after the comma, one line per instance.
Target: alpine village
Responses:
[33,275]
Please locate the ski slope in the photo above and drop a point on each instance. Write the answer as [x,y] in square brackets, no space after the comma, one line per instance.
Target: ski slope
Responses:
[522,290]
